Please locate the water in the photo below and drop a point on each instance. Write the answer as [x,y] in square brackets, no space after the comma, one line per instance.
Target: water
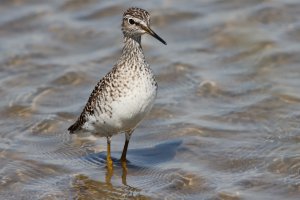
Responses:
[225,124]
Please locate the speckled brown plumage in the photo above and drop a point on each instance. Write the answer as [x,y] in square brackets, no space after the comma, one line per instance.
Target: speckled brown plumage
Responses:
[111,87]
[126,94]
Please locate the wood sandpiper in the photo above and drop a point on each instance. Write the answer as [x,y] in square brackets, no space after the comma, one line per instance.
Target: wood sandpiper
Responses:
[123,97]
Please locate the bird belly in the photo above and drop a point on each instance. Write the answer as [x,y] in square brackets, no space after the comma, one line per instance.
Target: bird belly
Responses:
[126,112]
[131,109]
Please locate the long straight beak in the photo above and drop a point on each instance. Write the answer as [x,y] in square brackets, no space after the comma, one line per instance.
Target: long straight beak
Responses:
[152,33]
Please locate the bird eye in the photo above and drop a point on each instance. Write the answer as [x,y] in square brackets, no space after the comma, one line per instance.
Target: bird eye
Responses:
[131,21]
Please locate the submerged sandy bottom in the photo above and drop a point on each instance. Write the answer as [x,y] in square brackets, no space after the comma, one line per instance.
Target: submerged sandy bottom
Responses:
[225,124]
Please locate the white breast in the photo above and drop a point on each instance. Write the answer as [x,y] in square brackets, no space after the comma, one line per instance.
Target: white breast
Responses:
[126,111]
[131,109]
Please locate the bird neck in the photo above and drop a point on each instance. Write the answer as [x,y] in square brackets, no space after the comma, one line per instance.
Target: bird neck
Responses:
[131,41]
[132,52]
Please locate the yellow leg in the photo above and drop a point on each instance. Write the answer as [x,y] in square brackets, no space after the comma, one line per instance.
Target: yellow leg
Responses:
[123,157]
[124,173]
[109,161]
[128,135]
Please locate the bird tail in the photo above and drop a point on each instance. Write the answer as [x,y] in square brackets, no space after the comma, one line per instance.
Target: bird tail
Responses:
[72,129]
[78,124]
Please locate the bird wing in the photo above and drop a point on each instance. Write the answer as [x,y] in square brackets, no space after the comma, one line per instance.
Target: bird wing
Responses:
[90,105]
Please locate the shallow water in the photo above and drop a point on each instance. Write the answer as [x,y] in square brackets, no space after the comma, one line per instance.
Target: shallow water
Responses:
[225,124]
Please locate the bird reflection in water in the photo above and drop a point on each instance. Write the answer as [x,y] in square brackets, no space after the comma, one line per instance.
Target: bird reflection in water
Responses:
[84,187]
[87,187]
[110,172]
